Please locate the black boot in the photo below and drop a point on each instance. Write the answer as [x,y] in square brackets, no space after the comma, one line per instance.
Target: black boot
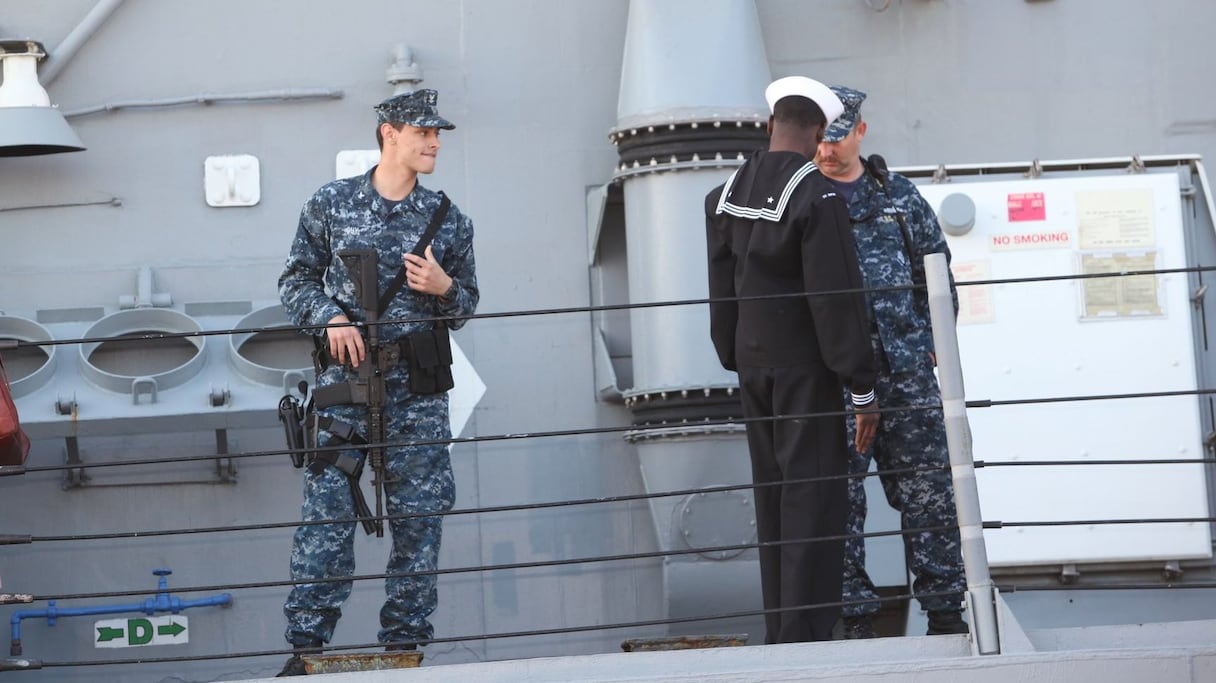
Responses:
[859,627]
[295,665]
[946,623]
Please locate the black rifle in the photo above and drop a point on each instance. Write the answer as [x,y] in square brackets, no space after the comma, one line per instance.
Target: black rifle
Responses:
[363,266]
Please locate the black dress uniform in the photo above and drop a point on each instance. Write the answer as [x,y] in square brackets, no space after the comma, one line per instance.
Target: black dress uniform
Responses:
[778,227]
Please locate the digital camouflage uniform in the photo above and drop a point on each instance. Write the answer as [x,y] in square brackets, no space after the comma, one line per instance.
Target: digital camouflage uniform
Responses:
[346,214]
[902,339]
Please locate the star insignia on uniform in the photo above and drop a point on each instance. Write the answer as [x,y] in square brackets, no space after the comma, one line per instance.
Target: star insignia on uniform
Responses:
[770,200]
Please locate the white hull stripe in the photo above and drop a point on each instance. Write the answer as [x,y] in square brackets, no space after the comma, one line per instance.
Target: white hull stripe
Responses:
[773,214]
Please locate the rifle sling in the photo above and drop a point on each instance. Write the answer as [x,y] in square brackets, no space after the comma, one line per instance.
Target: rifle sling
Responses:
[419,249]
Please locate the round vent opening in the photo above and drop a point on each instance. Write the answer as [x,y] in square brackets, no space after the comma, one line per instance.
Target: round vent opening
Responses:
[272,355]
[115,363]
[28,367]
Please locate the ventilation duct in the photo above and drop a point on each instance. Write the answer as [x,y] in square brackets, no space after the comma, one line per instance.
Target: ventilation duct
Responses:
[29,125]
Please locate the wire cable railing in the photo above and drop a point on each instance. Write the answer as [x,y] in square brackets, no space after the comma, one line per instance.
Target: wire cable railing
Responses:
[508,566]
[601,500]
[601,308]
[13,470]
[621,557]
[13,540]
[500,635]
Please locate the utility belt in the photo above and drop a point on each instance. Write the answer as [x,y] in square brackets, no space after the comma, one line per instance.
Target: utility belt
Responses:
[427,354]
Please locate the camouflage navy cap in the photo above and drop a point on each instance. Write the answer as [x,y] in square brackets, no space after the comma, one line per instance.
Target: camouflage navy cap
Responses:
[419,109]
[851,99]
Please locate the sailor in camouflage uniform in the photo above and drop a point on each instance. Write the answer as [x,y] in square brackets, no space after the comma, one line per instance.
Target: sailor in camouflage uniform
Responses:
[894,227]
[388,210]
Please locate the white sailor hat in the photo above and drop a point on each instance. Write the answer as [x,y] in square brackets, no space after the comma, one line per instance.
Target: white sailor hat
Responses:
[809,88]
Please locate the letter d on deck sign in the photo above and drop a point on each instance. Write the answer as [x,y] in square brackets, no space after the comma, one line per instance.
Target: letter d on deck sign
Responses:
[139,631]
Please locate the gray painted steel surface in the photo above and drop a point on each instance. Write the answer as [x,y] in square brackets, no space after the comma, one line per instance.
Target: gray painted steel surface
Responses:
[535,89]
[664,216]
[674,72]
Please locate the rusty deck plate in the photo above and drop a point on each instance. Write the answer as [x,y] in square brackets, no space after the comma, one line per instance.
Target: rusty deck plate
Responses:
[683,642]
[374,661]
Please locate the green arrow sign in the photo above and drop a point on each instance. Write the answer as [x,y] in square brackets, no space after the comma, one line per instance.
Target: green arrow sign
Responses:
[106,634]
[170,629]
[138,631]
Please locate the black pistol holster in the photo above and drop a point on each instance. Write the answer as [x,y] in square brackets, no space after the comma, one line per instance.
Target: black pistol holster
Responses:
[291,414]
[302,426]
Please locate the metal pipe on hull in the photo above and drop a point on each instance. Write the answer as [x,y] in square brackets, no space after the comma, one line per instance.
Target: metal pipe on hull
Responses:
[65,51]
[689,112]
[666,252]
[682,58]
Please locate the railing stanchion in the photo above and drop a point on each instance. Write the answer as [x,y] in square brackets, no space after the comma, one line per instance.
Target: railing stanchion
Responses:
[981,596]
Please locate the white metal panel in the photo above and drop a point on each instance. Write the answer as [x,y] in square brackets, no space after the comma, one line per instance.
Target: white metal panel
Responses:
[1033,340]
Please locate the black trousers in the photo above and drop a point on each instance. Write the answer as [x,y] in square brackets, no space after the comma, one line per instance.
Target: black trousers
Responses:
[801,573]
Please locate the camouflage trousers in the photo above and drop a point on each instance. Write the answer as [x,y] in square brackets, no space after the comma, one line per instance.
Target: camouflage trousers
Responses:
[418,479]
[908,439]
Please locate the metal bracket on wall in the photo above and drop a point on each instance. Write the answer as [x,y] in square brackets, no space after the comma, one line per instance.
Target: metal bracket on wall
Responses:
[225,469]
[76,477]
[1069,574]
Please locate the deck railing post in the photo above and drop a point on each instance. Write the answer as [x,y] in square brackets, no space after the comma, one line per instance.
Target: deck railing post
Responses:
[981,596]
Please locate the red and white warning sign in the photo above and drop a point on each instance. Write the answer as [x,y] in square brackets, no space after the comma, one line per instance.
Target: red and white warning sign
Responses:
[1026,206]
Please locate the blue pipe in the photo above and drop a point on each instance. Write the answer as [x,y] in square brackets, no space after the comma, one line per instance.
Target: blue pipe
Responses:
[163,602]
